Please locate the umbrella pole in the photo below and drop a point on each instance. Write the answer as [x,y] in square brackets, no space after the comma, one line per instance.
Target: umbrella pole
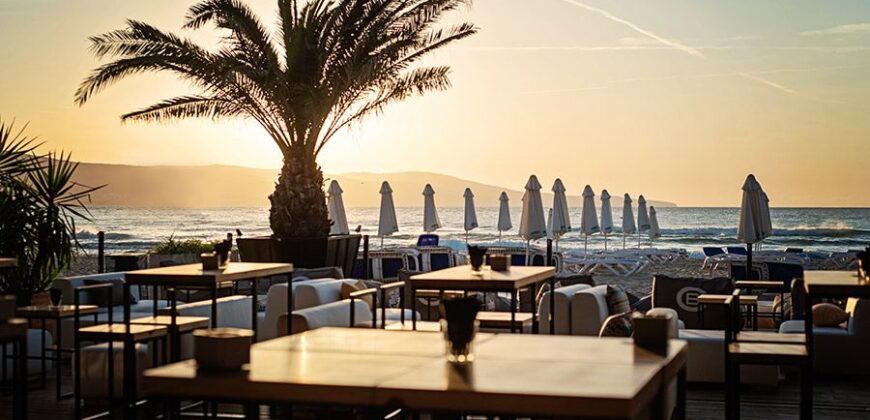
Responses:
[585,244]
[466,237]
[749,262]
[605,243]
[382,242]
[499,236]
[528,244]
[623,240]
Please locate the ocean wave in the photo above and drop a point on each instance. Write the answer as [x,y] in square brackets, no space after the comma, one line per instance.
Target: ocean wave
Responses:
[86,234]
[823,232]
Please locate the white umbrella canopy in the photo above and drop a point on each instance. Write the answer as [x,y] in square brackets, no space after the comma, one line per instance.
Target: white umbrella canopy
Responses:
[470,213]
[533,225]
[431,221]
[628,226]
[606,224]
[767,224]
[387,223]
[750,228]
[335,205]
[654,231]
[561,219]
[588,218]
[504,214]
[642,217]
[550,233]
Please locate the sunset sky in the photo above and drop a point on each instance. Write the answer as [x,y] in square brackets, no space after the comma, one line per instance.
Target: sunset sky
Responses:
[675,99]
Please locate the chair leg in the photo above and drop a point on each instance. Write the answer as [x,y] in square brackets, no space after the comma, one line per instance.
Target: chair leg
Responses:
[806,392]
[729,390]
[736,392]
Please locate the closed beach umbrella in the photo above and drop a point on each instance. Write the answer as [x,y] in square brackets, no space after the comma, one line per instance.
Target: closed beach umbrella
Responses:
[606,216]
[561,219]
[387,223]
[550,233]
[431,222]
[654,232]
[628,226]
[750,229]
[765,215]
[533,225]
[642,217]
[470,213]
[335,204]
[588,220]
[504,214]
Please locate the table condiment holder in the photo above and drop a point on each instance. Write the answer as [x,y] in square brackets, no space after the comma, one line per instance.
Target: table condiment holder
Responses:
[222,348]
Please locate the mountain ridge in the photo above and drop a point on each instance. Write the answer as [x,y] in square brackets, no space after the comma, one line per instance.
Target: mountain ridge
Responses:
[210,186]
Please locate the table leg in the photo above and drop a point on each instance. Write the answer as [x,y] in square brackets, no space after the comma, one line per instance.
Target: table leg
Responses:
[413,308]
[129,396]
[807,390]
[42,357]
[57,355]
[175,344]
[513,310]
[289,303]
[534,295]
[553,305]
[19,375]
[681,394]
[156,297]
[214,308]
[255,308]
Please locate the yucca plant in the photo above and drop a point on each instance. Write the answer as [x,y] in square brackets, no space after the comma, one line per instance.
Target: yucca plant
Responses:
[329,64]
[39,204]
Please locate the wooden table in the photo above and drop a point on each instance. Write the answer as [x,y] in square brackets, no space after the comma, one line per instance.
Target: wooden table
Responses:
[6,262]
[15,331]
[463,278]
[193,276]
[750,302]
[512,374]
[831,285]
[56,314]
[777,286]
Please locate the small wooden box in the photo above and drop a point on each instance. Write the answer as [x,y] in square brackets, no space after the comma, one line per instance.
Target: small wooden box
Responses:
[650,332]
[210,261]
[500,262]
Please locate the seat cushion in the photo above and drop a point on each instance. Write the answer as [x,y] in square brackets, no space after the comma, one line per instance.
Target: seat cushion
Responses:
[828,315]
[617,300]
[95,369]
[349,287]
[618,325]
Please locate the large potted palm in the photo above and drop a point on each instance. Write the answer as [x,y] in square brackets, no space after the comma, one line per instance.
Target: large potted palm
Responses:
[328,65]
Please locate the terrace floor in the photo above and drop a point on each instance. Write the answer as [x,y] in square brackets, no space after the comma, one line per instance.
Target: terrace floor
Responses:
[835,398]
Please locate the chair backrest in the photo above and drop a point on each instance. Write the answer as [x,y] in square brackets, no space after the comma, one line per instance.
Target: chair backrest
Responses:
[712,251]
[736,250]
[681,295]
[859,317]
[307,294]
[738,270]
[67,286]
[732,318]
[232,311]
[794,250]
[427,239]
[784,271]
[335,314]
[276,304]
[562,304]
[589,310]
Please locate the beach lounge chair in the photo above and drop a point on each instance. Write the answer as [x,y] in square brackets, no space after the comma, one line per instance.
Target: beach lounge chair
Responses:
[427,239]
[432,258]
[736,250]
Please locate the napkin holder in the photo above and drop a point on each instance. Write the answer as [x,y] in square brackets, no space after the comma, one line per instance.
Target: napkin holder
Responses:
[500,262]
[651,332]
[7,307]
[210,260]
[222,348]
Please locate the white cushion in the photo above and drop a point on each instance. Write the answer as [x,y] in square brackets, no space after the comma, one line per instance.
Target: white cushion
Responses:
[562,302]
[335,314]
[589,310]
[95,369]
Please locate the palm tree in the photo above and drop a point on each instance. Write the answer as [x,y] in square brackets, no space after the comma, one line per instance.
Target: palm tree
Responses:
[329,64]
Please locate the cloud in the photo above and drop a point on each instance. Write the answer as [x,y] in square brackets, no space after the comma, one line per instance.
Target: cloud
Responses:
[848,29]
[675,44]
[669,42]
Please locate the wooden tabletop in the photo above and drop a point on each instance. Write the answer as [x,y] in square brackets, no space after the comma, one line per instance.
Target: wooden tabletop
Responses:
[512,374]
[193,274]
[15,327]
[106,332]
[62,311]
[836,284]
[6,262]
[184,323]
[760,284]
[708,298]
[463,278]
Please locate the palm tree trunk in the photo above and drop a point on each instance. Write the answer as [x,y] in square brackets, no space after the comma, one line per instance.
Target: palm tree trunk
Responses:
[299,203]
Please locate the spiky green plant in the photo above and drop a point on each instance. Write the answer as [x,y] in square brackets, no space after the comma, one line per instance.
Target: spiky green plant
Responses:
[329,64]
[39,204]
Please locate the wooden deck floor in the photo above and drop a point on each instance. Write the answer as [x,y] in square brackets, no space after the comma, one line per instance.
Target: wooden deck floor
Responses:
[835,398]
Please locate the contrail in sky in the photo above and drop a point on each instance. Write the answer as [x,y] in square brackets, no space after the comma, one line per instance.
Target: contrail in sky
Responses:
[674,44]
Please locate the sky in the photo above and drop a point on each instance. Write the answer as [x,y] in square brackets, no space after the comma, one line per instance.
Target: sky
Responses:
[674,99]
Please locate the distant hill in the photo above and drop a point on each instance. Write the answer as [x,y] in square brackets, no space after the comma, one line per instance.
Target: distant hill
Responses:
[235,186]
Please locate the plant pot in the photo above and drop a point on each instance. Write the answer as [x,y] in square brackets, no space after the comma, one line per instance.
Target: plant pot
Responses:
[328,251]
[163,260]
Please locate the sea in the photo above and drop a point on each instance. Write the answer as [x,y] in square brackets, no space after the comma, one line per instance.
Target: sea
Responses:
[815,230]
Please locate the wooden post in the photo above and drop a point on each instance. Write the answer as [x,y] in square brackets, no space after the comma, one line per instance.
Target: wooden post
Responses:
[366,257]
[550,252]
[101,252]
